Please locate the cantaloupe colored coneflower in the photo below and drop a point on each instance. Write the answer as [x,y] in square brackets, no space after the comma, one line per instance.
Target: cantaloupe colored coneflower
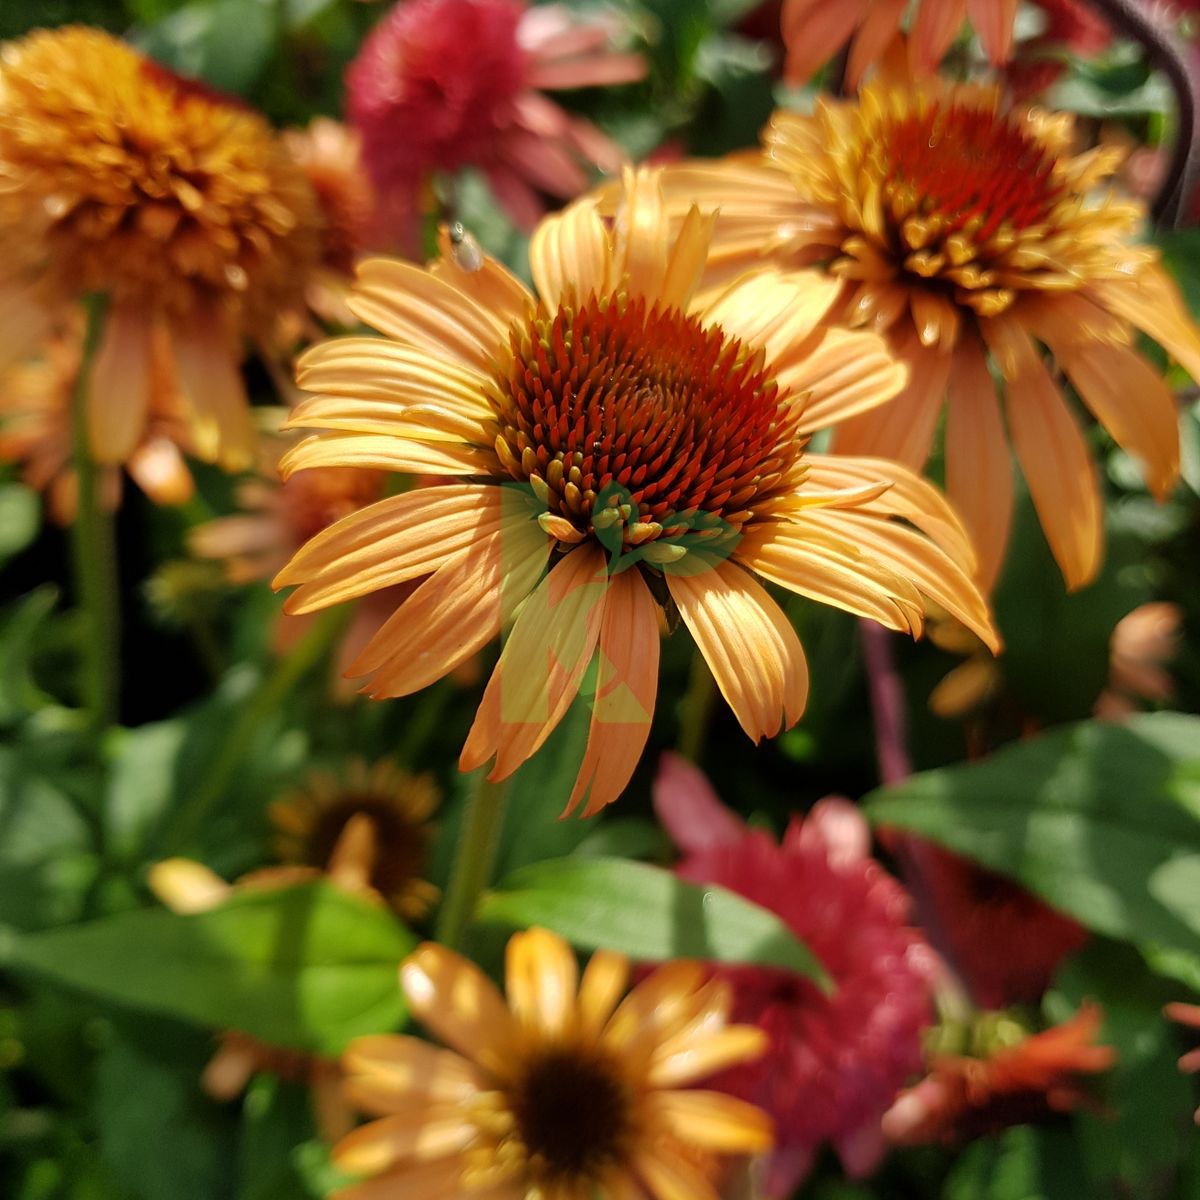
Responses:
[815,30]
[971,236]
[647,449]
[565,1091]
[181,205]
[36,429]
[378,815]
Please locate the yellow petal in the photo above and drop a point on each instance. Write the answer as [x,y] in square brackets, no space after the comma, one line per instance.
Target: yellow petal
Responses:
[714,1121]
[541,977]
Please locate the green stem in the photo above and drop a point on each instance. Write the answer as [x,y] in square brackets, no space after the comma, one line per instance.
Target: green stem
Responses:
[695,710]
[259,708]
[473,860]
[93,546]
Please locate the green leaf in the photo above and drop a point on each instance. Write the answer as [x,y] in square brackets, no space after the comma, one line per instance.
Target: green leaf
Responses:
[20,519]
[226,43]
[1136,1145]
[307,967]
[1101,820]
[645,912]
[154,1084]
[19,627]
[1024,1163]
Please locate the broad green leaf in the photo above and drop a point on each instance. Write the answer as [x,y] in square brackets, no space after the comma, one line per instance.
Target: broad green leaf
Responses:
[1135,1147]
[153,1084]
[1101,820]
[1023,1163]
[307,967]
[645,912]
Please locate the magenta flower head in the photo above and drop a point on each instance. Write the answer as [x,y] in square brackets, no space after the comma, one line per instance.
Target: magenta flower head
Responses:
[444,84]
[835,1062]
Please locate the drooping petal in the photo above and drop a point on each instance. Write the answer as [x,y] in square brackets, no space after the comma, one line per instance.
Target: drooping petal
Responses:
[541,977]
[814,33]
[1151,301]
[993,21]
[903,429]
[457,1003]
[1053,455]
[668,1175]
[454,613]
[750,646]
[978,466]
[937,25]
[402,537]
[623,706]
[541,665]
[1133,402]
[878,29]
[211,384]
[118,397]
[832,571]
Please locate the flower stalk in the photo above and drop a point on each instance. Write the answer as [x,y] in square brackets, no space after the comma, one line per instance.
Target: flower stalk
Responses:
[474,858]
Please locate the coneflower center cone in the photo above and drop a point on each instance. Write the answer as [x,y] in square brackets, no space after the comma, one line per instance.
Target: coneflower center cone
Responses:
[401,845]
[620,413]
[573,1114]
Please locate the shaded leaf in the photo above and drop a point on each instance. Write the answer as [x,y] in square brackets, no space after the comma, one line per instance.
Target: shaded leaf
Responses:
[1100,820]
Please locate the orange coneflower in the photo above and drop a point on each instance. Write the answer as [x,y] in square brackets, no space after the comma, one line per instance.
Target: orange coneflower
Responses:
[117,176]
[1140,652]
[969,234]
[815,30]
[566,1091]
[36,433]
[373,820]
[647,447]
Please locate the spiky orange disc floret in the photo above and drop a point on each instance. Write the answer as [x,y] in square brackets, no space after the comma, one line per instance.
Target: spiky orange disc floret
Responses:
[616,407]
[971,169]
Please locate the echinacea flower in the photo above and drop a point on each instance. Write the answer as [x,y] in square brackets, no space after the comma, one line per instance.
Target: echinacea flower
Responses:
[1005,943]
[565,1091]
[647,448]
[444,84]
[329,154]
[179,204]
[815,30]
[36,429]
[374,819]
[971,236]
[964,1098]
[185,886]
[836,1061]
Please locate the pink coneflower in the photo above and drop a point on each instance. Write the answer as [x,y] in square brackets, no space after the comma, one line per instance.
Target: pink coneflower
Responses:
[1004,942]
[836,1061]
[444,84]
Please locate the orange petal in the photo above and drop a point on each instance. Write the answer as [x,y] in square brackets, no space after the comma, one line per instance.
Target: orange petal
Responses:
[1151,301]
[1053,455]
[978,463]
[119,389]
[159,469]
[422,1134]
[748,643]
[390,541]
[624,703]
[845,374]
[814,33]
[668,1175]
[714,1121]
[881,25]
[385,452]
[993,21]
[396,1071]
[570,255]
[937,25]
[605,979]
[210,381]
[540,978]
[459,1005]
[1132,401]
[541,664]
